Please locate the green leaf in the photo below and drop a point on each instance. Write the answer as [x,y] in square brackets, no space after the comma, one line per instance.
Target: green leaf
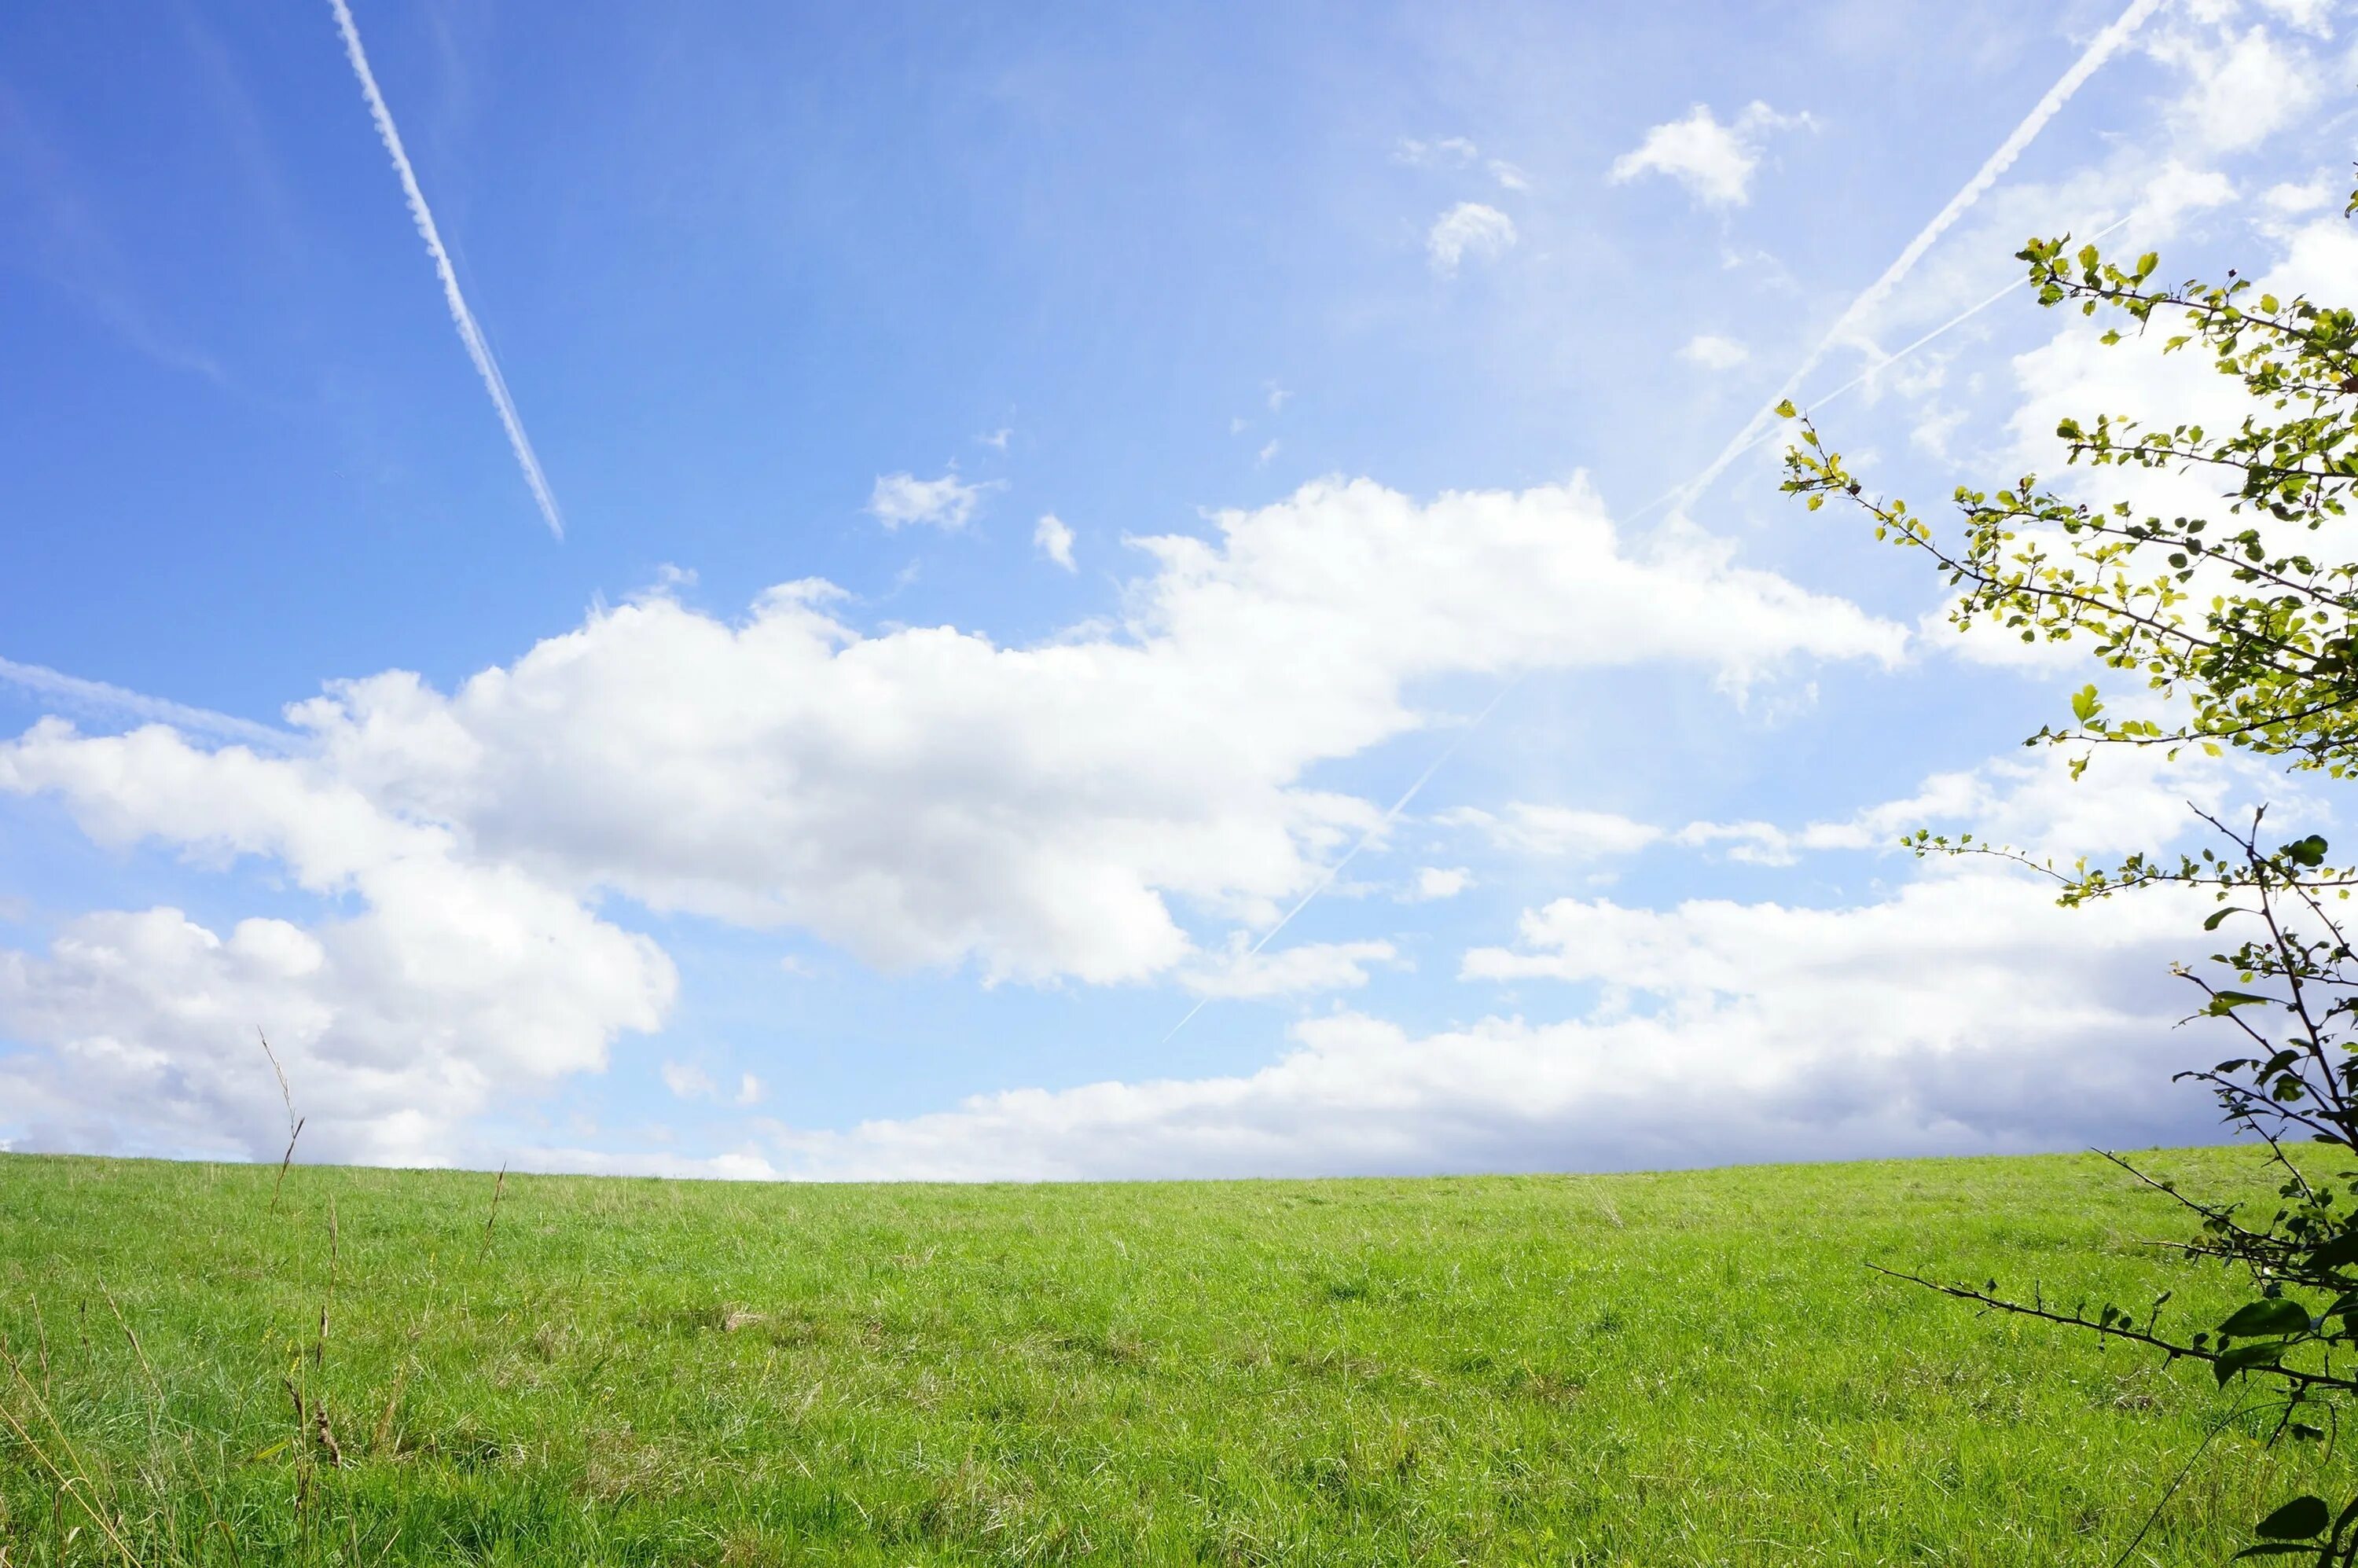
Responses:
[1785,409]
[2309,852]
[2299,1519]
[2225,1003]
[2245,1358]
[2212,924]
[2270,1316]
[2085,706]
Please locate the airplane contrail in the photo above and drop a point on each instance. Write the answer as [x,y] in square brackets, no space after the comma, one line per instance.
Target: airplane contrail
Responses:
[462,317]
[2104,45]
[2100,50]
[93,694]
[1893,358]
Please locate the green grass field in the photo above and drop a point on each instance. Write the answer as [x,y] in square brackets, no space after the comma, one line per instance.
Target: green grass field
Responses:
[1645,1369]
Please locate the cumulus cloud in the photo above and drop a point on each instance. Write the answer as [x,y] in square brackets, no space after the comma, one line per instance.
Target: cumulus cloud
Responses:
[2292,197]
[1714,161]
[1966,1013]
[455,981]
[1053,539]
[1962,1012]
[1468,229]
[2244,87]
[1434,882]
[918,796]
[1714,353]
[947,502]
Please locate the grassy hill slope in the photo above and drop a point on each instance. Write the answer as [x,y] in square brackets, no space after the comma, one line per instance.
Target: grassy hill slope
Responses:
[1644,1370]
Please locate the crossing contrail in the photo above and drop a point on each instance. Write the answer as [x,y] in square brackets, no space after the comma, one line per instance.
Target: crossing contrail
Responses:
[95,695]
[1679,491]
[2104,45]
[460,317]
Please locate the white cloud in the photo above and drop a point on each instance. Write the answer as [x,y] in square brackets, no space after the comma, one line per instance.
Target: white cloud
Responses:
[2126,800]
[1269,450]
[455,982]
[1053,539]
[1468,229]
[2175,191]
[1278,396]
[1308,966]
[1965,1014]
[924,796]
[2244,87]
[1714,353]
[1529,829]
[2293,200]
[687,1082]
[1714,161]
[918,796]
[1447,152]
[1441,882]
[947,503]
[1508,176]
[997,440]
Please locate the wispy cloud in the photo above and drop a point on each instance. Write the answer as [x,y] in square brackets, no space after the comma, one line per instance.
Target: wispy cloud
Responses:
[1446,152]
[1714,353]
[1468,229]
[1714,162]
[462,317]
[97,696]
[1055,539]
[947,503]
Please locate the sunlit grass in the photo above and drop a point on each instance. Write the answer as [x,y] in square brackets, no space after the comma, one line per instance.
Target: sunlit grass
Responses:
[1646,1370]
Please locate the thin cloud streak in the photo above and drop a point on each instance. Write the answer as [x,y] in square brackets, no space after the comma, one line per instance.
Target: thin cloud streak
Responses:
[2106,45]
[1366,839]
[462,317]
[99,697]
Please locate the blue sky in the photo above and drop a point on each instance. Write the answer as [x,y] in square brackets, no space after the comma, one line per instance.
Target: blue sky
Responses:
[1180,427]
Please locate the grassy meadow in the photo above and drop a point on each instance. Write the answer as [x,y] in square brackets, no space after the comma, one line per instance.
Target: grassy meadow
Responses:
[1694,1368]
